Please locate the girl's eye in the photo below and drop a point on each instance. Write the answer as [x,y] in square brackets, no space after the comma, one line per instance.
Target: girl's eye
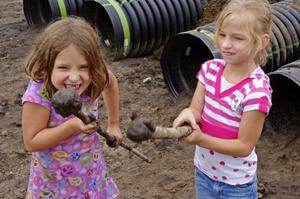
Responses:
[62,67]
[239,38]
[221,35]
[84,67]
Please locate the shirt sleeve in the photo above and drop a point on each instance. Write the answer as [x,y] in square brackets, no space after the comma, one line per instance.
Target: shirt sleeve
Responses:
[36,93]
[201,74]
[258,100]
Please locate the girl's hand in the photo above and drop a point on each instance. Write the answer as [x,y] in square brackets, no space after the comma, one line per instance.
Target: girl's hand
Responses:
[194,138]
[78,126]
[115,131]
[186,116]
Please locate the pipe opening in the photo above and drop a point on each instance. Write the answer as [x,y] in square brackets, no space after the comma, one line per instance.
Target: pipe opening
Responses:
[284,114]
[181,59]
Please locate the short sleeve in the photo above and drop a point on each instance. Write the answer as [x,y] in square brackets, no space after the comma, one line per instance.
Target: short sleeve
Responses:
[201,74]
[36,93]
[259,100]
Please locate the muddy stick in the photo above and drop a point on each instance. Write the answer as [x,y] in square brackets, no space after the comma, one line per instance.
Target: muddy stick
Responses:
[141,129]
[67,102]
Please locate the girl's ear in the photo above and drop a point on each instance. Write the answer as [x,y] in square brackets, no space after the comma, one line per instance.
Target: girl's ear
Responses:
[265,40]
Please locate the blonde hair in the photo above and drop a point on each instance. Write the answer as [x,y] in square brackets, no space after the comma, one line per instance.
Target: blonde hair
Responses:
[260,10]
[56,37]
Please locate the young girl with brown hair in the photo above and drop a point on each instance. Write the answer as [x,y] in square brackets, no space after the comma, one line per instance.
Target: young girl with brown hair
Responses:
[67,161]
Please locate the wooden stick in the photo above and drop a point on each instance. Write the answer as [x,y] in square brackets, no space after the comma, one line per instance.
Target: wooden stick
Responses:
[171,133]
[67,102]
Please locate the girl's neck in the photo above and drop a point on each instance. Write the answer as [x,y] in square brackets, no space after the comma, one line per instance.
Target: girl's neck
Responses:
[235,74]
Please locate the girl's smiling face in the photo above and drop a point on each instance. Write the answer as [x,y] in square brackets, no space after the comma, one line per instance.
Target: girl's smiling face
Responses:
[235,43]
[71,70]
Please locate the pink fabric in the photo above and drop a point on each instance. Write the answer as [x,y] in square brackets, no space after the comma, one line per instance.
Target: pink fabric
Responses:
[216,131]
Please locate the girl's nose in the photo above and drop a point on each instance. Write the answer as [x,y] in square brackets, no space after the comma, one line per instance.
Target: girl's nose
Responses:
[74,76]
[226,43]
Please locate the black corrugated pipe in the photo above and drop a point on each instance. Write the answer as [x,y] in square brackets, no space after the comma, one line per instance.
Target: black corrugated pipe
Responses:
[43,11]
[150,23]
[285,111]
[183,53]
[112,21]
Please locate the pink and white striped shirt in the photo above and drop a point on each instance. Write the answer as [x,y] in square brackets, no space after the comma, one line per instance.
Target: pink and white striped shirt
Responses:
[221,118]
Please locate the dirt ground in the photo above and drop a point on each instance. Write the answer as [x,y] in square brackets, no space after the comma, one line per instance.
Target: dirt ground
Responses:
[170,175]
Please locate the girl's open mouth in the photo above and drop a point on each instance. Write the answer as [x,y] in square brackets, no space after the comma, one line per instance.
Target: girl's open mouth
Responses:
[73,86]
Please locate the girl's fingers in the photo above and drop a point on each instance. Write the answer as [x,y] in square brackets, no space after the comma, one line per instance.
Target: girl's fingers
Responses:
[89,128]
[195,126]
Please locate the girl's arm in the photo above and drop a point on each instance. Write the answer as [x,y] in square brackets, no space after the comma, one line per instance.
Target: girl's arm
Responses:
[249,133]
[197,103]
[37,136]
[193,113]
[111,101]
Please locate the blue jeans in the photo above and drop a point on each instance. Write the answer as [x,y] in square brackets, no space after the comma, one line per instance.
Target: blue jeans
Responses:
[207,188]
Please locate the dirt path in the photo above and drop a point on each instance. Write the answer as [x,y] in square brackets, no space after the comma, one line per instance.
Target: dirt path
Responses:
[170,175]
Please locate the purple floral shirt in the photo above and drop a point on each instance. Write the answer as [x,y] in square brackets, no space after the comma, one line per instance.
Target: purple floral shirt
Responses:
[75,168]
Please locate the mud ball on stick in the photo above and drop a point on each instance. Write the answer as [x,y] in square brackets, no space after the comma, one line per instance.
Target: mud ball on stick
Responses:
[140,129]
[65,102]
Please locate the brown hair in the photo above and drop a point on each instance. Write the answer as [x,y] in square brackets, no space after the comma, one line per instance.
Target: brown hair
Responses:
[56,37]
[260,10]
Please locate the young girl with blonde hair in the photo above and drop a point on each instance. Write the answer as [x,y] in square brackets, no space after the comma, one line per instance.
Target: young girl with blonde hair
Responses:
[67,161]
[230,103]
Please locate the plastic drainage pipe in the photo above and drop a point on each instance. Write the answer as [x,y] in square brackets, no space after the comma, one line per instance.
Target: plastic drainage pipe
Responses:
[193,12]
[71,7]
[281,45]
[199,8]
[285,110]
[281,23]
[293,27]
[181,58]
[79,4]
[158,23]
[294,11]
[151,27]
[179,16]
[53,9]
[144,35]
[165,20]
[290,71]
[32,11]
[187,15]
[43,11]
[172,17]
[183,54]
[149,23]
[112,23]
[134,28]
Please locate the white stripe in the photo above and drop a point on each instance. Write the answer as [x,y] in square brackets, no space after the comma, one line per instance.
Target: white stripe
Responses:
[210,89]
[251,107]
[217,105]
[211,77]
[257,95]
[204,66]
[215,67]
[221,118]
[247,88]
[258,83]
[200,78]
[238,93]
